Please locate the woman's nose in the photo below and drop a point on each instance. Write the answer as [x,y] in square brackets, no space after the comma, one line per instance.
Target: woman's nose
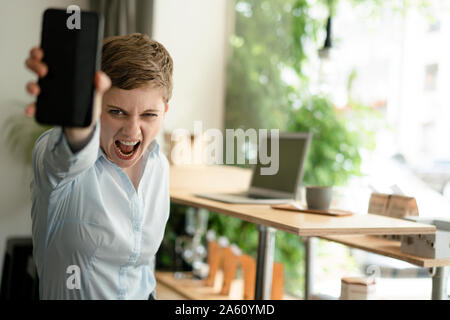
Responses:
[132,128]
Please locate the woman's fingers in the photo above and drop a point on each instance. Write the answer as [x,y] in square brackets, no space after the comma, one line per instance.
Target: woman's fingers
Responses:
[36,53]
[33,88]
[36,66]
[30,110]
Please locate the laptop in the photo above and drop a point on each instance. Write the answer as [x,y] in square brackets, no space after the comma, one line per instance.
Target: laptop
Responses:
[278,188]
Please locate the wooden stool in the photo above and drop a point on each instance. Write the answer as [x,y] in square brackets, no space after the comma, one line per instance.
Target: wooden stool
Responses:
[277,281]
[214,260]
[230,263]
[249,270]
[248,265]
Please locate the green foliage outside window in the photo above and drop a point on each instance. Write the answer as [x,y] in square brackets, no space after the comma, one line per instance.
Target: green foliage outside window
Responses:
[268,45]
[268,42]
[338,138]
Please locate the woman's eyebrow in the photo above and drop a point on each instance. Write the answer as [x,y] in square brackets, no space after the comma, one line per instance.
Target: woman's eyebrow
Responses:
[115,107]
[148,110]
[152,110]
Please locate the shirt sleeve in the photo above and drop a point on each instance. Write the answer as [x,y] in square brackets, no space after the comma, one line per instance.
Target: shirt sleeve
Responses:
[54,163]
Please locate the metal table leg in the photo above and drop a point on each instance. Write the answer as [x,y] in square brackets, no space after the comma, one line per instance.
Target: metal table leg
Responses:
[264,263]
[309,266]
[439,284]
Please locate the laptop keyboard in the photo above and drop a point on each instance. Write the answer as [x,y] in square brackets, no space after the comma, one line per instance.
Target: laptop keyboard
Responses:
[251,196]
[254,196]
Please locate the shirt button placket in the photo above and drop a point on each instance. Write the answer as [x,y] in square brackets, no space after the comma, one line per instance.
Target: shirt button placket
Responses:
[136,229]
[122,275]
[140,210]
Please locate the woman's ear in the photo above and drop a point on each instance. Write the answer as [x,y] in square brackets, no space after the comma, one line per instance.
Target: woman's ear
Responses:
[167,108]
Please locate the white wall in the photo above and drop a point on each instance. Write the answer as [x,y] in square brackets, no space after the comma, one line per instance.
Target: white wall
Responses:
[20,25]
[194,32]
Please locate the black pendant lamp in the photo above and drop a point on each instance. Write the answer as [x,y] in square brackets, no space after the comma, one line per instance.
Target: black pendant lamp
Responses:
[325,51]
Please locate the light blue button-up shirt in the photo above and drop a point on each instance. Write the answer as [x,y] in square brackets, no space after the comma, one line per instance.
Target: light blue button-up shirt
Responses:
[94,235]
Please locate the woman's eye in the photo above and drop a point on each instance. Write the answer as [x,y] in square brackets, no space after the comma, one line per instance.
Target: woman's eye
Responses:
[150,115]
[116,112]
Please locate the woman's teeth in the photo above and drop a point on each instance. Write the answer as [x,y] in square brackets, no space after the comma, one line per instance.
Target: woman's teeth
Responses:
[125,154]
[129,143]
[126,148]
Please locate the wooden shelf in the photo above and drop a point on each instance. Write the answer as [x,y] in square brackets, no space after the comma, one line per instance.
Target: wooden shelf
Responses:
[194,289]
[385,247]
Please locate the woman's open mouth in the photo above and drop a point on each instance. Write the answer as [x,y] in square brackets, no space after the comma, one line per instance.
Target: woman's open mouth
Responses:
[126,150]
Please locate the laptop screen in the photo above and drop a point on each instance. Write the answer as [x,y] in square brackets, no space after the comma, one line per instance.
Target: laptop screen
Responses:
[292,154]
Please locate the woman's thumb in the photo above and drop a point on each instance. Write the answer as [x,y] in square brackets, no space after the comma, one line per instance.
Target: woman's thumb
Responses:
[102,82]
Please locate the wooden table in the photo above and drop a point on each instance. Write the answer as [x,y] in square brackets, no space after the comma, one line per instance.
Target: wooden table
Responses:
[187,180]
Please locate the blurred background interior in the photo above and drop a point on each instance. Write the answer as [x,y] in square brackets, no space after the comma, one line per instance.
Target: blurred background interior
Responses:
[369,78]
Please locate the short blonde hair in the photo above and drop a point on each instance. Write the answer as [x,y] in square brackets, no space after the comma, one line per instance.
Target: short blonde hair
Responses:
[135,60]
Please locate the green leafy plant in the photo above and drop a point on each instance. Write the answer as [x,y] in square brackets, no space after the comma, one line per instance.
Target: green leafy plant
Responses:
[268,46]
[20,133]
[338,137]
[167,258]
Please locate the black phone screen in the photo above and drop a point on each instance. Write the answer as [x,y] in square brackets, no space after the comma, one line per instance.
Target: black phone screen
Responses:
[72,56]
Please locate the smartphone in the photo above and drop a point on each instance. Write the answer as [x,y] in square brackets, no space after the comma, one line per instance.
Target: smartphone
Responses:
[73,55]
